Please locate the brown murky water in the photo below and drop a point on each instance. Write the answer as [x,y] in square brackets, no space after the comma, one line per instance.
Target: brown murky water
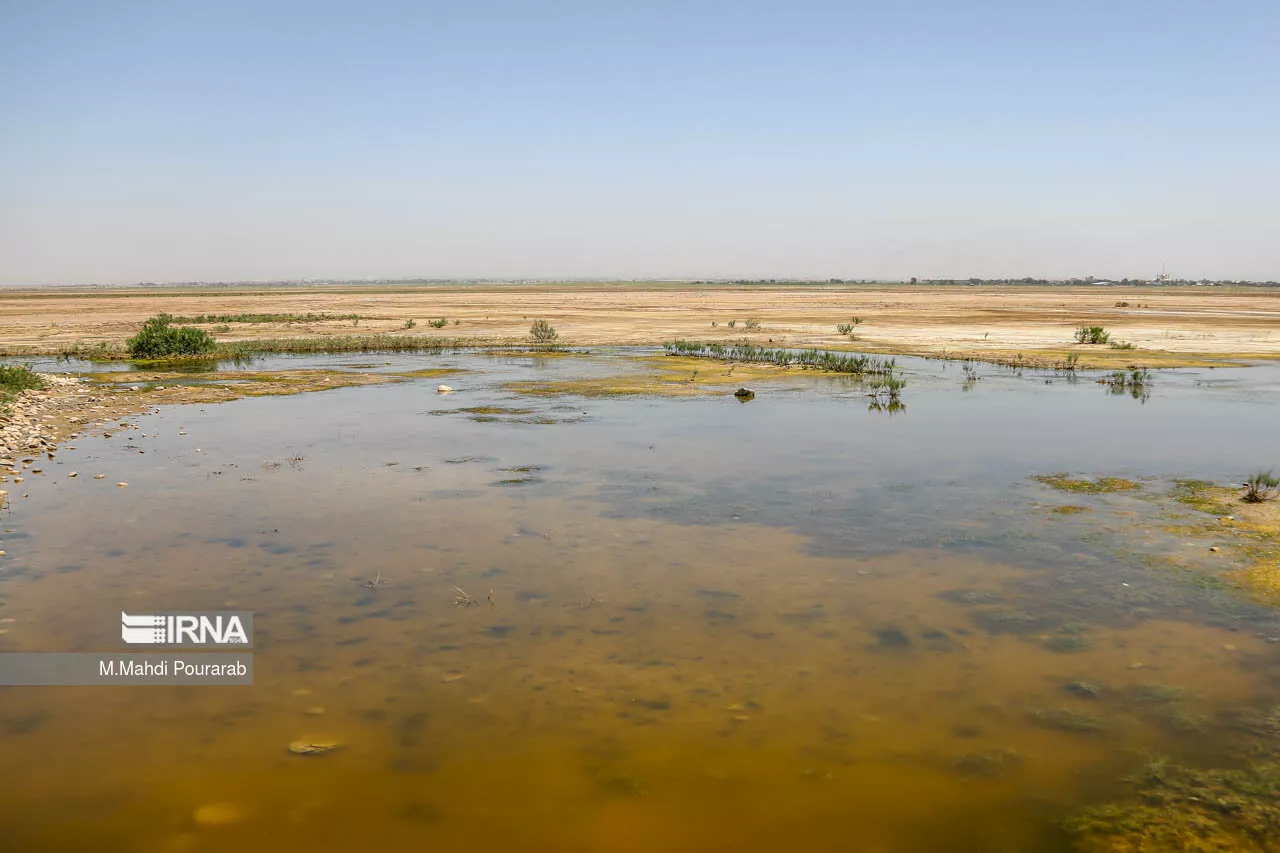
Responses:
[641,678]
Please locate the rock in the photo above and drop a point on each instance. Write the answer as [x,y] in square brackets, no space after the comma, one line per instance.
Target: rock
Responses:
[218,814]
[122,485]
[1213,549]
[744,393]
[444,389]
[74,474]
[99,476]
[17,479]
[309,747]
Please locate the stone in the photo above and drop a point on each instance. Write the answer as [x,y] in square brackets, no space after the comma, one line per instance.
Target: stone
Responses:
[744,393]
[310,747]
[99,476]
[74,474]
[122,485]
[444,389]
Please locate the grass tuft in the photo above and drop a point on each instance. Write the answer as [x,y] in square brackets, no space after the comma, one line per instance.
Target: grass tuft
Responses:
[830,362]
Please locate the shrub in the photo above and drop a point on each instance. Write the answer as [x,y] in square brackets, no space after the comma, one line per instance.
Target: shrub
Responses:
[543,332]
[752,325]
[16,378]
[1260,487]
[159,338]
[847,328]
[1092,335]
[409,324]
[438,324]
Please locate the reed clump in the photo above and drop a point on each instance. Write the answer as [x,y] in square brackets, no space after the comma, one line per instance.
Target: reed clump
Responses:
[830,362]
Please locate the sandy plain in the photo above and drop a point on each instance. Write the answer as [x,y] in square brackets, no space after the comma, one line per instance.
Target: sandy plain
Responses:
[1165,326]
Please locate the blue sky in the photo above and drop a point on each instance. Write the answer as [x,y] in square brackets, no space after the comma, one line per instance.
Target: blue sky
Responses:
[228,140]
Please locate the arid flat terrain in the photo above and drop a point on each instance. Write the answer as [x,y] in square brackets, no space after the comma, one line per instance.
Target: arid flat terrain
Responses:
[1166,325]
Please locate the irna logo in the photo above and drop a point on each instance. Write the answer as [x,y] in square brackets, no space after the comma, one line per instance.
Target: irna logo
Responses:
[225,628]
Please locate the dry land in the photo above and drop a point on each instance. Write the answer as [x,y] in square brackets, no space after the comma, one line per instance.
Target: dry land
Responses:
[1165,326]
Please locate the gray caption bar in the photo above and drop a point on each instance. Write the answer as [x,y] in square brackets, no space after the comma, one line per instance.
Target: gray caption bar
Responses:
[32,669]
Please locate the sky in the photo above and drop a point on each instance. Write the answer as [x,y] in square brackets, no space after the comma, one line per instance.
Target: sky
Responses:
[236,141]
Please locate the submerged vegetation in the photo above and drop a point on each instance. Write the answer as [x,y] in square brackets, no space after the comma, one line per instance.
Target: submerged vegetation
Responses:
[1180,808]
[860,365]
[1136,382]
[160,338]
[1103,485]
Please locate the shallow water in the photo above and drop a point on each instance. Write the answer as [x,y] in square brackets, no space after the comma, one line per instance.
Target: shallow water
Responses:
[794,623]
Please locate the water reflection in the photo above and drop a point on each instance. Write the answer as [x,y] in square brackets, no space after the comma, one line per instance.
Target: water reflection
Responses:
[645,623]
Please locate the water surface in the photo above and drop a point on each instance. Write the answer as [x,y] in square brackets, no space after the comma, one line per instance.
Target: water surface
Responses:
[699,625]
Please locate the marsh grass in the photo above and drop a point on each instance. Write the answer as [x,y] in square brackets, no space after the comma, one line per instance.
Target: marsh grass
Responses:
[1136,382]
[200,319]
[859,365]
[752,325]
[1261,487]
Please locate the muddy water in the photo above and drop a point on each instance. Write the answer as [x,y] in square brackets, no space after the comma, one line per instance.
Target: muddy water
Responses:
[698,625]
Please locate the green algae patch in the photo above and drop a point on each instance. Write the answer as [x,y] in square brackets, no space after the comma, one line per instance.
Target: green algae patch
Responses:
[1069,509]
[428,372]
[1102,485]
[1179,808]
[1250,531]
[668,376]
[1204,496]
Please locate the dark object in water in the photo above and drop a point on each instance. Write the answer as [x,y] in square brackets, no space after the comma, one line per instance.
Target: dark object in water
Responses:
[744,393]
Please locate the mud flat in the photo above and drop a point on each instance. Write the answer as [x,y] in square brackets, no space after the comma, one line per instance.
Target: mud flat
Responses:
[1164,326]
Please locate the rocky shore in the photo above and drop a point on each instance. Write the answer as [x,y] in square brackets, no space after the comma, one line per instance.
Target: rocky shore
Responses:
[37,421]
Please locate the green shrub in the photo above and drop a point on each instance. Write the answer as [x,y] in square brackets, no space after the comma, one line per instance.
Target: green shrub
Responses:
[159,338]
[1260,487]
[16,378]
[1092,335]
[847,328]
[543,332]
[409,324]
[438,324]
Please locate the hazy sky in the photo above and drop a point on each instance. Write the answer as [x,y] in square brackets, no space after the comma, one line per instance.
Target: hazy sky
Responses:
[188,140]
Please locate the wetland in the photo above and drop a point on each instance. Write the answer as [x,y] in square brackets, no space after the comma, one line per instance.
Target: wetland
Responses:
[591,600]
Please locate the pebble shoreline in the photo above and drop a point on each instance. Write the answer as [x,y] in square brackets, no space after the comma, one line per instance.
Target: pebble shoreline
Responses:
[36,421]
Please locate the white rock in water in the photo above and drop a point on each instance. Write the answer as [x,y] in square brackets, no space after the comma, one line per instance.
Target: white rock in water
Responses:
[122,485]
[444,389]
[99,476]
